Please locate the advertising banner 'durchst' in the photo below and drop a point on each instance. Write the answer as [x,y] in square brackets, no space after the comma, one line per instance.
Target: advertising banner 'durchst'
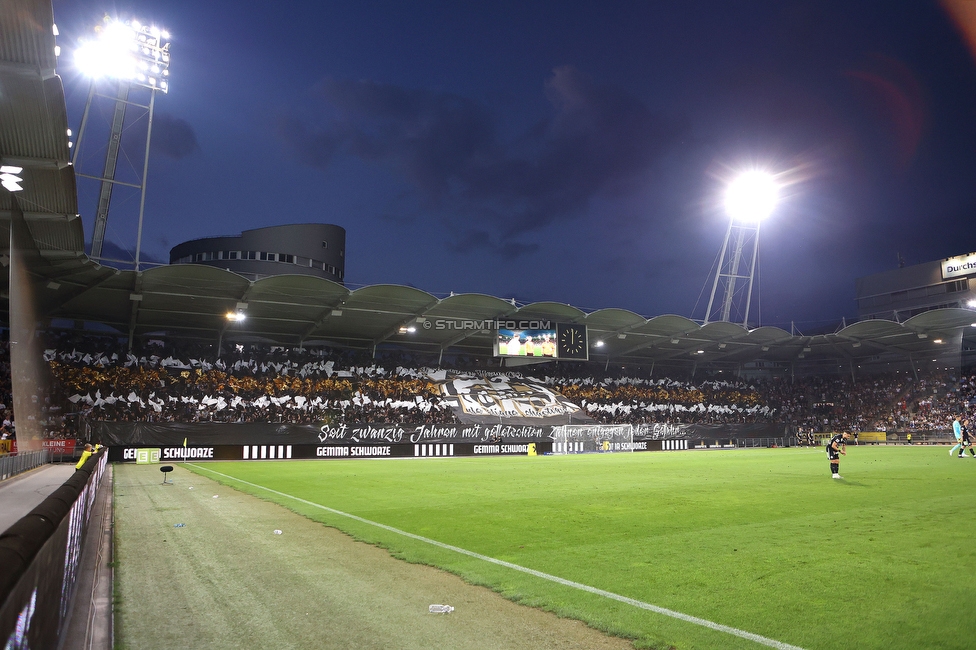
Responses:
[959,266]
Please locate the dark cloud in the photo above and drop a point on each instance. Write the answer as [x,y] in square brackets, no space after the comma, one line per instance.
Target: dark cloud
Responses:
[173,137]
[468,241]
[598,140]
[314,148]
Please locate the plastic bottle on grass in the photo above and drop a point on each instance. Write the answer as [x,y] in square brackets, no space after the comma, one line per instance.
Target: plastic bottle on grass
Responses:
[440,609]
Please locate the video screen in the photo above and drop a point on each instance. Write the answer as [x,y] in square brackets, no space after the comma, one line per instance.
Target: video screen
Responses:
[526,343]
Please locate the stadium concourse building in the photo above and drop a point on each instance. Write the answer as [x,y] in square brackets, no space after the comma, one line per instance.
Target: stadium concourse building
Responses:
[907,291]
[899,294]
[316,249]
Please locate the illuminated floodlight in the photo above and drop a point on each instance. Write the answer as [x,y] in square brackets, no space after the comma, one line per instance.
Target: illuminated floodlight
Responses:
[971,304]
[235,316]
[752,196]
[123,50]
[10,179]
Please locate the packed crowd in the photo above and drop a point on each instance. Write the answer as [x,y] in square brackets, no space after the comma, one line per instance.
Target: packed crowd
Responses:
[100,379]
[275,388]
[631,400]
[55,422]
[938,399]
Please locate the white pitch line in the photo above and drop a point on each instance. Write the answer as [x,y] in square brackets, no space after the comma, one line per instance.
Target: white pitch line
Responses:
[772,643]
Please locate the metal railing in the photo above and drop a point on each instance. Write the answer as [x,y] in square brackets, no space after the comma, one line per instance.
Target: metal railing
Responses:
[11,465]
[742,443]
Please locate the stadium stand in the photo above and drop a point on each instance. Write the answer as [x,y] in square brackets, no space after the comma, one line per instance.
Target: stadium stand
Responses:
[95,377]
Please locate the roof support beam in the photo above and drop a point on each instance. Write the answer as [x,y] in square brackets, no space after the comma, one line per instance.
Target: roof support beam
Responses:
[457,338]
[227,322]
[324,316]
[402,323]
[27,70]
[78,288]
[34,162]
[136,298]
[42,216]
[658,338]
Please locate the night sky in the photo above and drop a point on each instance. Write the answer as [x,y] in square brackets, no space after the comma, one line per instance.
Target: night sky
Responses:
[574,152]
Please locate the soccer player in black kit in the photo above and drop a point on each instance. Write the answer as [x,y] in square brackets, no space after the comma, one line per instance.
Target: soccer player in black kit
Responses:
[967,441]
[836,447]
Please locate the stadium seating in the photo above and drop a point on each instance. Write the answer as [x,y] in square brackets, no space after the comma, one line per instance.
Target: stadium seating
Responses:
[99,379]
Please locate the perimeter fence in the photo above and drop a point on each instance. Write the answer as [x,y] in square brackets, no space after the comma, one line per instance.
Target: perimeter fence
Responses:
[14,464]
[41,554]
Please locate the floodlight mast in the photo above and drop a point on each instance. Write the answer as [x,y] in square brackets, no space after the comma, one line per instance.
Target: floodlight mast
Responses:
[749,199]
[129,54]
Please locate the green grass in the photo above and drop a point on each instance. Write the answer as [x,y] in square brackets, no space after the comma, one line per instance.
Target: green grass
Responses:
[760,540]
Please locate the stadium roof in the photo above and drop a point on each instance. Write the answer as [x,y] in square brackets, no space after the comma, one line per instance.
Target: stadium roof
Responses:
[193,300]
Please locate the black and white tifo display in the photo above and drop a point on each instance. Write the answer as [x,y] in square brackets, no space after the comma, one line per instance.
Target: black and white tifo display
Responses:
[592,438]
[504,398]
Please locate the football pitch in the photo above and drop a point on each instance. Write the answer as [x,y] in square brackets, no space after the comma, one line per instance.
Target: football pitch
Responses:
[734,548]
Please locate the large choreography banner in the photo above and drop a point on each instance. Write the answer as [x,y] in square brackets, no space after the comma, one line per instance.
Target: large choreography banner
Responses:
[505,399]
[214,433]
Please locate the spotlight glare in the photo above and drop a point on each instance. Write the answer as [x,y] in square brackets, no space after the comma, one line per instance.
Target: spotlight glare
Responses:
[119,50]
[751,197]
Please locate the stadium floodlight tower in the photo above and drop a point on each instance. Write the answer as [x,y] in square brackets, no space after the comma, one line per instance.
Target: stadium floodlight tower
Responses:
[122,55]
[749,199]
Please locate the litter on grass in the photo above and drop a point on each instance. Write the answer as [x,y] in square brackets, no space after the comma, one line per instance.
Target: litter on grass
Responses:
[440,609]
[179,525]
[216,495]
[277,532]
